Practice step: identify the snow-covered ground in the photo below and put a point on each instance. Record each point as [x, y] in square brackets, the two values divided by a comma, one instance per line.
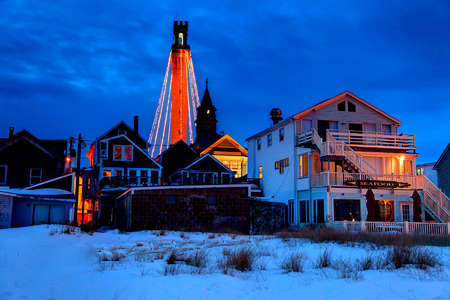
[39, 263]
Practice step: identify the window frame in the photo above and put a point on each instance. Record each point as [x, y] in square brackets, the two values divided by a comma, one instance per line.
[348, 106]
[303, 168]
[269, 140]
[345, 106]
[281, 134]
[33, 176]
[122, 150]
[258, 144]
[5, 174]
[402, 205]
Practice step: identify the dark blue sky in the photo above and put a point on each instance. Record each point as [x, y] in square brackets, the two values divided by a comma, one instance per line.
[82, 66]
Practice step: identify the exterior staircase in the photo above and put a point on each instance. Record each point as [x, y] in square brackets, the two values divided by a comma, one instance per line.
[436, 203]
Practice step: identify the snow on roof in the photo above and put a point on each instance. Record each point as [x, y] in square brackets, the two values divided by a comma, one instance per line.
[38, 192]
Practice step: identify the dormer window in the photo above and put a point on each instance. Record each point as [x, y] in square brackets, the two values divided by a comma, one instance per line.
[123, 153]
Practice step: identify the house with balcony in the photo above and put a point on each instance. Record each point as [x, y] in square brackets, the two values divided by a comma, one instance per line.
[322, 160]
[118, 160]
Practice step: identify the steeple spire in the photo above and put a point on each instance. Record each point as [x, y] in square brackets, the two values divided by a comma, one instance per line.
[206, 123]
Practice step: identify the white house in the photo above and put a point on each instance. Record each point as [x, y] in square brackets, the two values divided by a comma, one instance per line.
[322, 160]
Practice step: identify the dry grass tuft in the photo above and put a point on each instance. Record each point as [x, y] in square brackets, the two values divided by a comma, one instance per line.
[240, 259]
[293, 263]
[324, 260]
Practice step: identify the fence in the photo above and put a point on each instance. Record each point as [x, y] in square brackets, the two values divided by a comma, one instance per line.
[393, 227]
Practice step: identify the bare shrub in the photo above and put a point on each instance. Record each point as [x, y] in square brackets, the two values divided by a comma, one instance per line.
[293, 263]
[172, 258]
[365, 263]
[182, 235]
[143, 256]
[139, 244]
[198, 259]
[399, 256]
[162, 233]
[324, 259]
[67, 229]
[117, 256]
[425, 258]
[211, 236]
[88, 228]
[171, 270]
[347, 270]
[240, 259]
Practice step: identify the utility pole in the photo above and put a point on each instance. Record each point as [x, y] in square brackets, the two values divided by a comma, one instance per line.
[77, 183]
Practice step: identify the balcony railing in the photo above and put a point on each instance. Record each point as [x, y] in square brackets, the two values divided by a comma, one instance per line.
[339, 179]
[127, 181]
[374, 139]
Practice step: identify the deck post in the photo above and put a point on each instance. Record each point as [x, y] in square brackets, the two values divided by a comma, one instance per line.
[448, 228]
[363, 226]
[406, 227]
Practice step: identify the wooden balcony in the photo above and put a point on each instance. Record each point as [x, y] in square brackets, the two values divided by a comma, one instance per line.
[382, 140]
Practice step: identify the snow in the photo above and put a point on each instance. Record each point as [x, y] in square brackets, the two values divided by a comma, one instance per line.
[40, 262]
[37, 192]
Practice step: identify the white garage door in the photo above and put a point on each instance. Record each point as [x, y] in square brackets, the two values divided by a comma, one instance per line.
[57, 214]
[40, 214]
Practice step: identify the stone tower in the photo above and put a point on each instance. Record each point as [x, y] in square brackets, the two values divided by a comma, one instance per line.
[179, 62]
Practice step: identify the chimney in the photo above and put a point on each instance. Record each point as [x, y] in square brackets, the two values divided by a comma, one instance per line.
[11, 132]
[136, 124]
[275, 115]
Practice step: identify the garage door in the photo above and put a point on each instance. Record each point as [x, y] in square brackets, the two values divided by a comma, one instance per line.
[40, 214]
[57, 214]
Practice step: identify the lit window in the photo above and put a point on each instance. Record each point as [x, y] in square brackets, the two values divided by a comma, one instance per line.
[258, 143]
[117, 153]
[303, 165]
[128, 153]
[35, 175]
[341, 106]
[281, 133]
[260, 173]
[3, 174]
[180, 39]
[286, 162]
[351, 107]
[123, 153]
[106, 173]
[269, 140]
[420, 171]
[281, 166]
[277, 165]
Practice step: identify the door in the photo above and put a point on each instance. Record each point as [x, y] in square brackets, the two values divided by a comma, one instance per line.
[319, 213]
[370, 129]
[57, 214]
[322, 127]
[40, 215]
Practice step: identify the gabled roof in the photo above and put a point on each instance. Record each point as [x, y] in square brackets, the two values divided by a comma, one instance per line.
[228, 138]
[122, 123]
[340, 97]
[136, 146]
[442, 157]
[25, 135]
[207, 156]
[322, 104]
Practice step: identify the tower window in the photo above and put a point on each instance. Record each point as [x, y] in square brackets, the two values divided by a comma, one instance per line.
[180, 38]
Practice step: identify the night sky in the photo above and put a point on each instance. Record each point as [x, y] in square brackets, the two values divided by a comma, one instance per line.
[82, 66]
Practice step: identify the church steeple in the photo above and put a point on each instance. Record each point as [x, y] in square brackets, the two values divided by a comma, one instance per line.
[206, 123]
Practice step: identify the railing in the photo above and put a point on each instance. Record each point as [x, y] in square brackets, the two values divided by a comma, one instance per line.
[393, 227]
[310, 136]
[127, 181]
[435, 200]
[339, 179]
[374, 139]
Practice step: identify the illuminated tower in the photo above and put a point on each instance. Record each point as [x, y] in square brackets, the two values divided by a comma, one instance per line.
[179, 61]
[178, 102]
